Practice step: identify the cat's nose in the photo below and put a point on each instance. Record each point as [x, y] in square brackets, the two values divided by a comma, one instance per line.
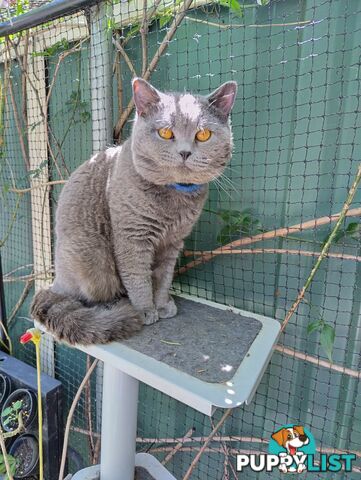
[184, 154]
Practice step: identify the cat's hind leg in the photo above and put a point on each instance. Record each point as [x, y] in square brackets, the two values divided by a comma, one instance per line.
[91, 275]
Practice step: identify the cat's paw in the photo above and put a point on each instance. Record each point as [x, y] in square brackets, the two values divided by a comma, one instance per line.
[169, 310]
[151, 317]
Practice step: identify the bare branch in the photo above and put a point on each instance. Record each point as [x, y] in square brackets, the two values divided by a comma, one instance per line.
[20, 302]
[253, 251]
[206, 443]
[144, 37]
[125, 56]
[316, 361]
[232, 26]
[162, 47]
[179, 445]
[37, 185]
[70, 417]
[279, 232]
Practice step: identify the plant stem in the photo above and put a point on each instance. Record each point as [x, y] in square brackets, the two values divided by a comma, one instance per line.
[18, 430]
[5, 455]
[325, 249]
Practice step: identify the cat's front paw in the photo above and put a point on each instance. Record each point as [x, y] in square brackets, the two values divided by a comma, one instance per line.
[169, 310]
[150, 317]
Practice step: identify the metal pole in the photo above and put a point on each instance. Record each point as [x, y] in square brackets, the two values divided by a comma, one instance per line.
[119, 425]
[45, 13]
[2, 307]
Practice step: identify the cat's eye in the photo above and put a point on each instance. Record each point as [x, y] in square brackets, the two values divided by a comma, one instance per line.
[166, 133]
[203, 135]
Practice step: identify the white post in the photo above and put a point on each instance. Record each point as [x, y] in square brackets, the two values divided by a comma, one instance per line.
[101, 105]
[119, 425]
[101, 76]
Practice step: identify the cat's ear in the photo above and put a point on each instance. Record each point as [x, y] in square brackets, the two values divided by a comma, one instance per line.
[223, 98]
[146, 97]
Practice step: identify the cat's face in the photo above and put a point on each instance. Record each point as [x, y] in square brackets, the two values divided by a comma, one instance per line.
[181, 138]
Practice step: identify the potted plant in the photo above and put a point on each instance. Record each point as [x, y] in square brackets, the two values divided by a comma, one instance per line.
[25, 451]
[5, 388]
[20, 401]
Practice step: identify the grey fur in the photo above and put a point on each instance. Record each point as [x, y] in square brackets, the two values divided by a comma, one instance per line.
[120, 227]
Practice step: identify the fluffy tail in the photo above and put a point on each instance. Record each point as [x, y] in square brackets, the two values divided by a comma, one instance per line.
[69, 320]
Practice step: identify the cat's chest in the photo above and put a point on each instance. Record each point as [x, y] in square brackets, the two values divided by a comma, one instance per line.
[175, 219]
[180, 223]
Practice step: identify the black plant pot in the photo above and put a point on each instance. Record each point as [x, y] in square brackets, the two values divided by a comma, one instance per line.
[5, 388]
[25, 450]
[28, 409]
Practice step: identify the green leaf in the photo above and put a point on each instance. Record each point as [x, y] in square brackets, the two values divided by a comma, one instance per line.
[165, 19]
[354, 230]
[110, 23]
[17, 405]
[327, 340]
[233, 5]
[58, 47]
[7, 412]
[263, 3]
[227, 233]
[315, 326]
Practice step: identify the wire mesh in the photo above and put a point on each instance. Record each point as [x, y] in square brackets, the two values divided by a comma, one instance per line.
[296, 127]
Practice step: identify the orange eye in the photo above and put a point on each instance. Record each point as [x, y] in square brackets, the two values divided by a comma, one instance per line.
[203, 135]
[166, 133]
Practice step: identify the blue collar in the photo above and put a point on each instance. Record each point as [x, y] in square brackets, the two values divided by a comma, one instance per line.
[186, 187]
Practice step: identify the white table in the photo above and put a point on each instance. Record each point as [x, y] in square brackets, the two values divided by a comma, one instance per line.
[233, 347]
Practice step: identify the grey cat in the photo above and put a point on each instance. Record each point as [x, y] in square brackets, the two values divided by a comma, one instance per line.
[123, 215]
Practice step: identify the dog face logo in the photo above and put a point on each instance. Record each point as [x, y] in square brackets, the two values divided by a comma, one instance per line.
[291, 440]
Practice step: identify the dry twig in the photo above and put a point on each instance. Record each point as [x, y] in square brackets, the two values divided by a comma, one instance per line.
[206, 443]
[279, 232]
[21, 300]
[88, 404]
[154, 62]
[144, 37]
[253, 251]
[70, 417]
[177, 447]
[316, 361]
[36, 186]
[124, 54]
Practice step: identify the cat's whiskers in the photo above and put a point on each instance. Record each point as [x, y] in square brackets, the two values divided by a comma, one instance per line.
[217, 182]
[229, 182]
